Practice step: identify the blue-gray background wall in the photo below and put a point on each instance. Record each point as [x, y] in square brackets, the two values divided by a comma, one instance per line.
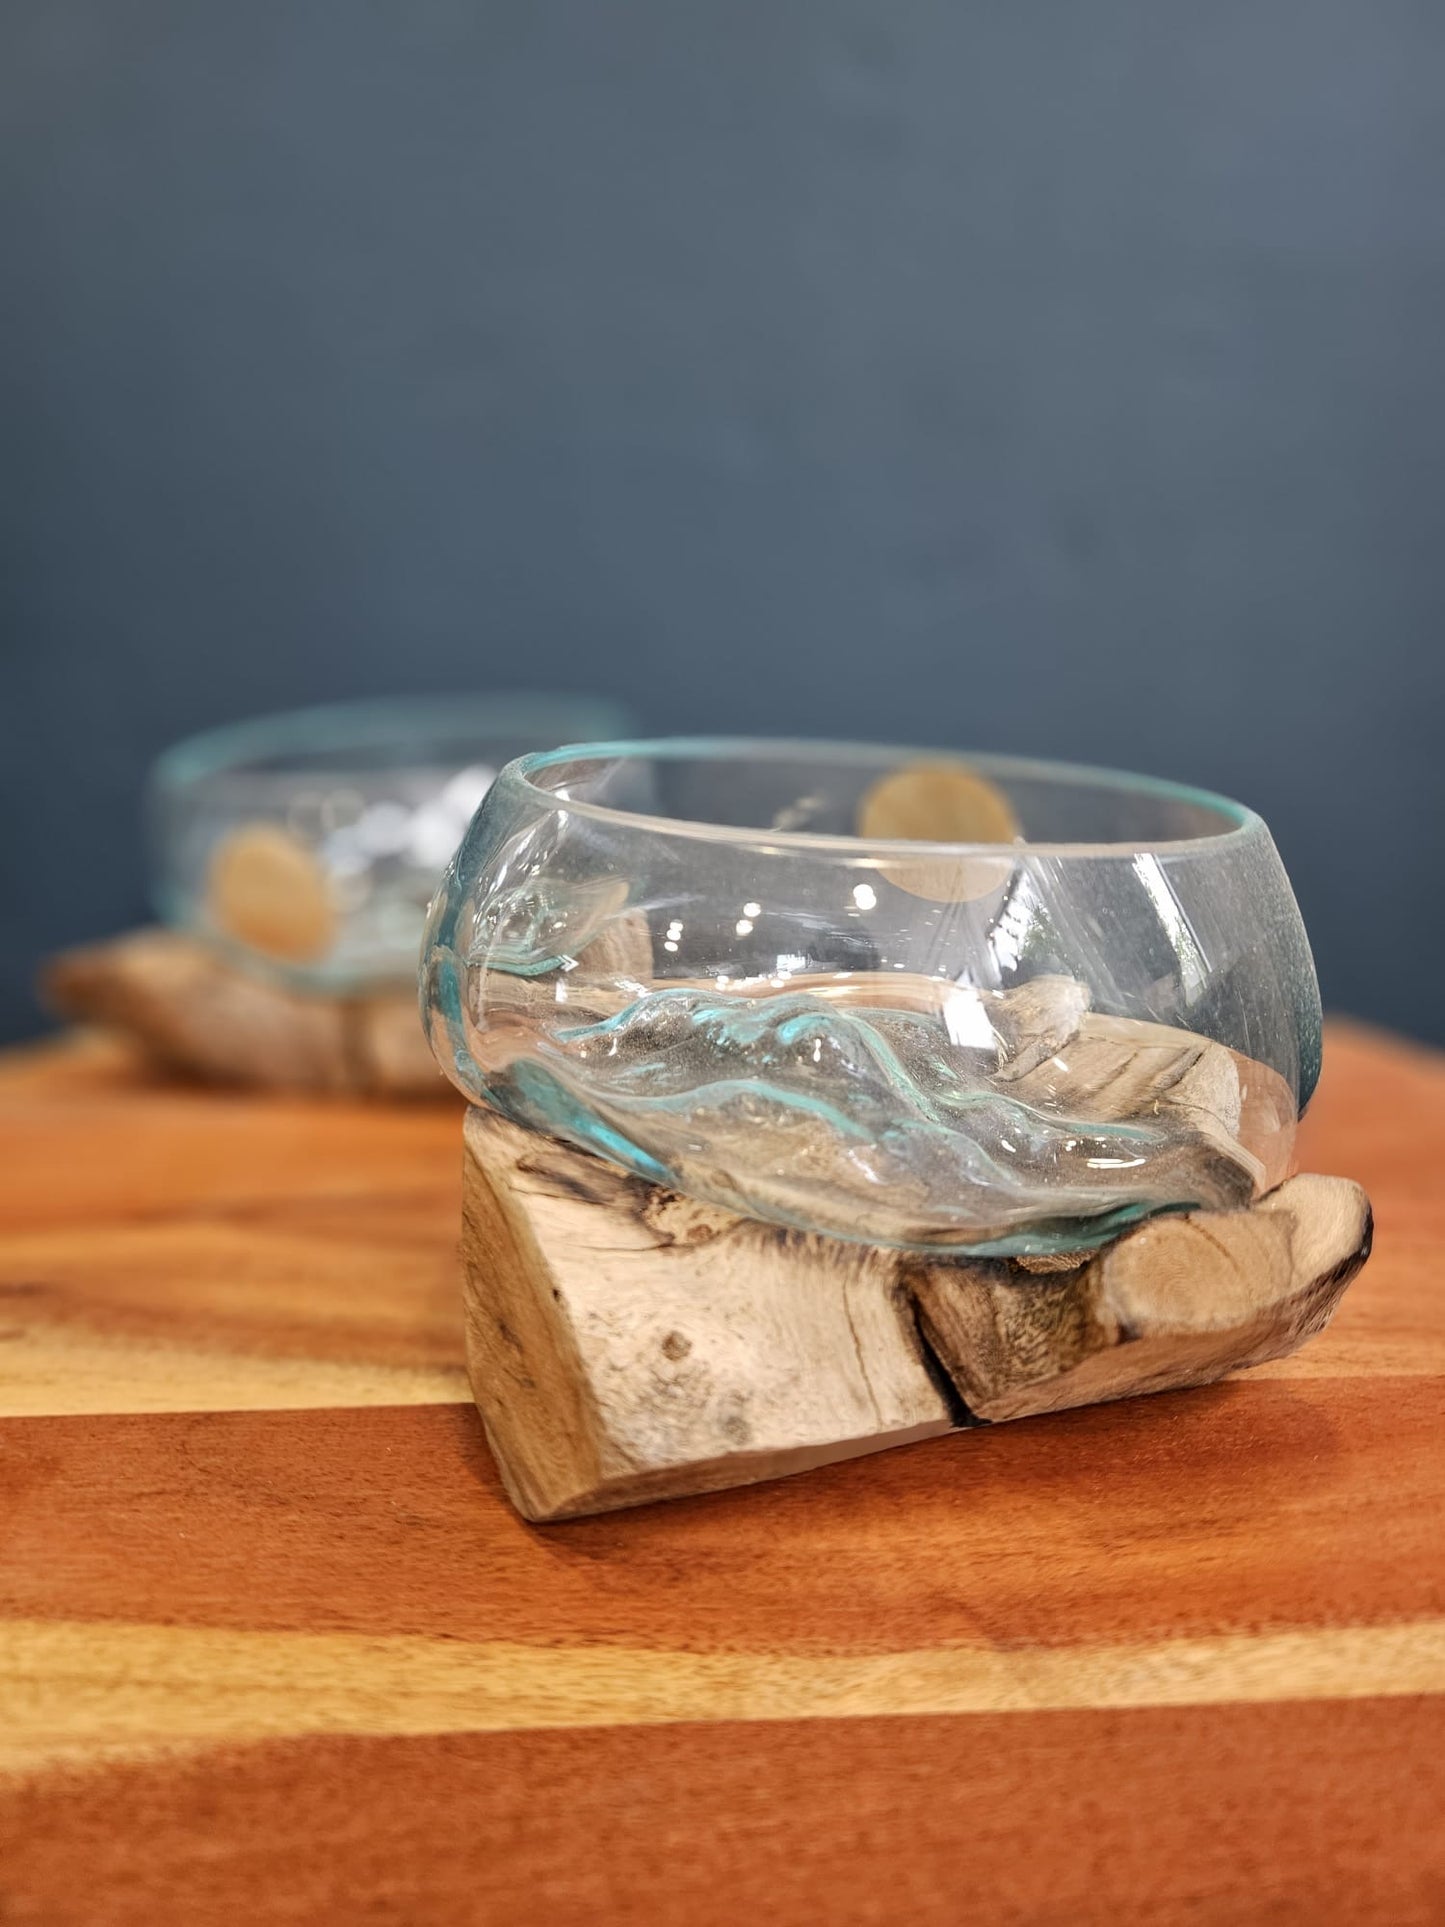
[1016, 374]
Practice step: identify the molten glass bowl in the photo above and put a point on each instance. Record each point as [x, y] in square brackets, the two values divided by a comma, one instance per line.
[742, 970]
[309, 844]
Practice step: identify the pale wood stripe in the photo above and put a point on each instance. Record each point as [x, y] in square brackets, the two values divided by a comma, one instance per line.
[49, 1372]
[46, 1372]
[1370, 1355]
[89, 1691]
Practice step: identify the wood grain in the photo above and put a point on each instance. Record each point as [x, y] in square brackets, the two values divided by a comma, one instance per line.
[1309, 1813]
[1178, 1660]
[1230, 1509]
[173, 1248]
[83, 1692]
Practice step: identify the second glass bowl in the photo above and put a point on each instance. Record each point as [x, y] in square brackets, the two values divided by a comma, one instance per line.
[734, 968]
[309, 844]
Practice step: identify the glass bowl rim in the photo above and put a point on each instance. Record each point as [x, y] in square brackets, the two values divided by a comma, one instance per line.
[368, 722]
[1241, 822]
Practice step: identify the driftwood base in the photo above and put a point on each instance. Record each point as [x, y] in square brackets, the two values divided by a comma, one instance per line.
[627, 1344]
[196, 1013]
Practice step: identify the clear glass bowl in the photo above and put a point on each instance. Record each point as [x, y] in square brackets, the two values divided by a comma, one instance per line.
[682, 956]
[309, 844]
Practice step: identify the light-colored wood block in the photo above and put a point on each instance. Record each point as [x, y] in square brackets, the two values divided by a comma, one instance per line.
[1180, 1301]
[194, 1011]
[626, 1343]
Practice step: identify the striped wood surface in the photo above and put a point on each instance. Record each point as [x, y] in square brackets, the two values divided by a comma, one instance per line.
[272, 1646]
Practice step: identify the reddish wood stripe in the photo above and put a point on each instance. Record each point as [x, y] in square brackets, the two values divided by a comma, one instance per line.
[1264, 1504]
[90, 1138]
[333, 1282]
[1220, 1815]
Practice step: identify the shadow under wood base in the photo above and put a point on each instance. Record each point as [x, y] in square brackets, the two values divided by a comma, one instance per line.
[626, 1343]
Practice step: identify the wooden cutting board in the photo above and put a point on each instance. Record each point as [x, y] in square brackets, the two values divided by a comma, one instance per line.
[273, 1647]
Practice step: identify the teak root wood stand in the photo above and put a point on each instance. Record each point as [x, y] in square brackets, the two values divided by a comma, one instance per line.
[626, 1343]
[194, 1012]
